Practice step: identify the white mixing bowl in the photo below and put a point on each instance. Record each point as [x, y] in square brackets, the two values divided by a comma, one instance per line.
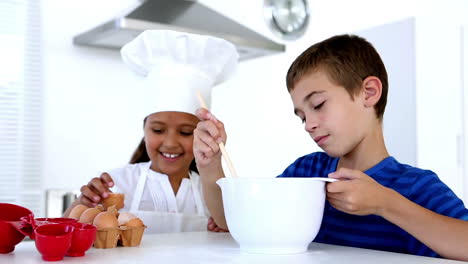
[273, 215]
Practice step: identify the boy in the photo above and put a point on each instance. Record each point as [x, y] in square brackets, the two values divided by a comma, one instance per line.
[339, 91]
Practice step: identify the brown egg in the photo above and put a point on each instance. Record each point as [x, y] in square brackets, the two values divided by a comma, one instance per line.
[135, 222]
[116, 199]
[105, 220]
[87, 217]
[124, 217]
[76, 212]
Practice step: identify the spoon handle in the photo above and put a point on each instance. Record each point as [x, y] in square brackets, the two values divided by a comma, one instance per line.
[221, 144]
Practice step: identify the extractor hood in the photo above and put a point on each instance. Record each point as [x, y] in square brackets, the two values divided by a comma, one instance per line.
[180, 15]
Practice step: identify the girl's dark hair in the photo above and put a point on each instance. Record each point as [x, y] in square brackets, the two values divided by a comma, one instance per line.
[141, 155]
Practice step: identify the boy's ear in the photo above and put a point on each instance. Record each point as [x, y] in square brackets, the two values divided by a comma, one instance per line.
[372, 89]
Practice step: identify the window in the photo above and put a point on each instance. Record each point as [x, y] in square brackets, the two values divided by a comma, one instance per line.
[21, 104]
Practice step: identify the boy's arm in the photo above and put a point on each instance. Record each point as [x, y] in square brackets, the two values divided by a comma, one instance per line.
[207, 135]
[445, 235]
[361, 195]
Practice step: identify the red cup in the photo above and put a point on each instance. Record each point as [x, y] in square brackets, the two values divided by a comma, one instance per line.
[29, 223]
[9, 235]
[64, 220]
[53, 240]
[82, 239]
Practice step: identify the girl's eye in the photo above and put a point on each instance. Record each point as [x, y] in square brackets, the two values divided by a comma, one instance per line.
[185, 133]
[157, 131]
[317, 107]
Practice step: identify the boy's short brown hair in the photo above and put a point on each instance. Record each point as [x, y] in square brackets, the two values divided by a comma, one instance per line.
[347, 60]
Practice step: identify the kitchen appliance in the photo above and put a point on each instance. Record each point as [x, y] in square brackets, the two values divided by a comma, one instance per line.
[58, 200]
[179, 15]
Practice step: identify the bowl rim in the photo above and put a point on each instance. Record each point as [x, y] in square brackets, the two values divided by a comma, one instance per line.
[319, 179]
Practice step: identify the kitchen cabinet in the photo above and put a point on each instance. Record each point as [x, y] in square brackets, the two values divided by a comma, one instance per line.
[424, 119]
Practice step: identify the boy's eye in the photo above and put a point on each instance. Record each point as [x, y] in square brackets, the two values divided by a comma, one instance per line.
[317, 107]
[302, 119]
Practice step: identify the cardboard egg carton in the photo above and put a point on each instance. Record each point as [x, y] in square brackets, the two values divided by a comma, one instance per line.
[125, 236]
[107, 238]
[131, 236]
[111, 237]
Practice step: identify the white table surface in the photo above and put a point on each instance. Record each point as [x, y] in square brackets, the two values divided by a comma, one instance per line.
[209, 247]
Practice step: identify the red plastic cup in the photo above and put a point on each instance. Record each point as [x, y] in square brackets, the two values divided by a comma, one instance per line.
[53, 240]
[29, 223]
[48, 220]
[82, 239]
[9, 235]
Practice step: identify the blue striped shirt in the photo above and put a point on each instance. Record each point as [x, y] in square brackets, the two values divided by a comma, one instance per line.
[371, 231]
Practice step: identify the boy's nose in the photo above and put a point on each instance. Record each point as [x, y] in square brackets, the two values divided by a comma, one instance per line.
[311, 125]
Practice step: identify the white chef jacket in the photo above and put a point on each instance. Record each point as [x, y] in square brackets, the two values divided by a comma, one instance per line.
[157, 194]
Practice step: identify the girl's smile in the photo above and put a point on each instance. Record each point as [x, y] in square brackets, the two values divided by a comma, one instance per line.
[169, 141]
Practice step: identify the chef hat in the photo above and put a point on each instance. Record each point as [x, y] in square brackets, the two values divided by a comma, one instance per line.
[175, 65]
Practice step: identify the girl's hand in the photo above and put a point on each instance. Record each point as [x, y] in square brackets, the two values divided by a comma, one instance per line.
[208, 134]
[213, 227]
[356, 193]
[96, 190]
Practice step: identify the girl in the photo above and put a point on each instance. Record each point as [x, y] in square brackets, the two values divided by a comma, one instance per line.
[161, 184]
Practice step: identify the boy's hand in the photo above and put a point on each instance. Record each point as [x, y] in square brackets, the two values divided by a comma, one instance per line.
[213, 227]
[208, 134]
[356, 193]
[96, 190]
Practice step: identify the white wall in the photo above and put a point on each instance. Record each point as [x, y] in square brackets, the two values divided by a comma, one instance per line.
[89, 123]
[88, 120]
[423, 119]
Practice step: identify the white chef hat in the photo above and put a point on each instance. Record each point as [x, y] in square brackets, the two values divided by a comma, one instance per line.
[175, 65]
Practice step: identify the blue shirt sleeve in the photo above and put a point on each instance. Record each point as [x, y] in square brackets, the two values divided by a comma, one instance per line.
[430, 192]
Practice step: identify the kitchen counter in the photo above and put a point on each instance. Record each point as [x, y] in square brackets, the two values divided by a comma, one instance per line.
[209, 247]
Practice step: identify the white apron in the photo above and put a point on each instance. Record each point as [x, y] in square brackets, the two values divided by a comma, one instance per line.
[169, 222]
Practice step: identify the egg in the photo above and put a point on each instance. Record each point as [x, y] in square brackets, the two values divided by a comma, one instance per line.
[105, 220]
[135, 222]
[124, 217]
[87, 217]
[116, 199]
[76, 212]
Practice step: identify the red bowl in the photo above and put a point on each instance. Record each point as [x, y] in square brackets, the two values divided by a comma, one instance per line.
[9, 235]
[82, 239]
[53, 240]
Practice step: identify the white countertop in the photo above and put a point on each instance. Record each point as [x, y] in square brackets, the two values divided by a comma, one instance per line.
[209, 247]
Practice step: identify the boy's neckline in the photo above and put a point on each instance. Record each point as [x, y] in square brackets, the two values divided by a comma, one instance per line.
[377, 167]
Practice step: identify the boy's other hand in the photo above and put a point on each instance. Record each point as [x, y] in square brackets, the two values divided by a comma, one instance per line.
[96, 190]
[208, 134]
[356, 193]
[213, 227]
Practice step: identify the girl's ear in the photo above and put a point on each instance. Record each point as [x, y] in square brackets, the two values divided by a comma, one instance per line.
[372, 89]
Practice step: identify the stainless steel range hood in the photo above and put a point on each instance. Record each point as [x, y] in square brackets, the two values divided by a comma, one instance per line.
[180, 15]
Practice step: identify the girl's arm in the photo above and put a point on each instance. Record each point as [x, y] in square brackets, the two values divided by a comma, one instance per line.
[208, 133]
